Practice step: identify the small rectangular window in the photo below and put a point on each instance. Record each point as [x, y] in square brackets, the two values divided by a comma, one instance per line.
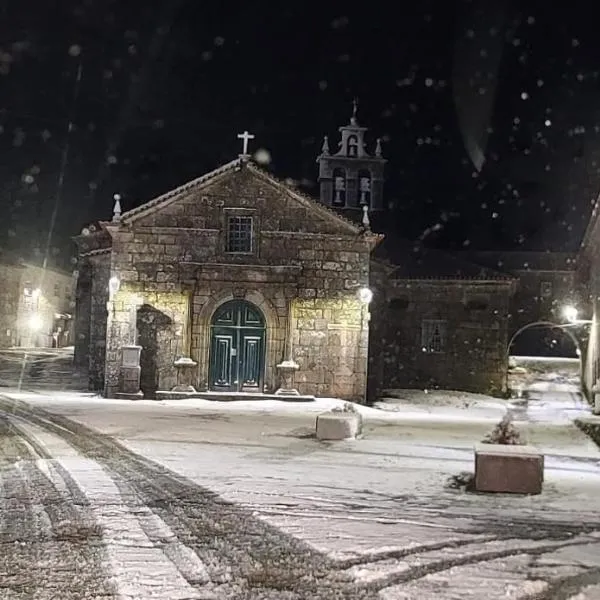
[239, 234]
[546, 289]
[433, 336]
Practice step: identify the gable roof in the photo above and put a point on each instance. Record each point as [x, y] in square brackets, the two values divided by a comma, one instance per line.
[163, 200]
[416, 262]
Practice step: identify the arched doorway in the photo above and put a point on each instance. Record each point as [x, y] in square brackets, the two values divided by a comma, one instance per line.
[237, 348]
[544, 357]
[544, 339]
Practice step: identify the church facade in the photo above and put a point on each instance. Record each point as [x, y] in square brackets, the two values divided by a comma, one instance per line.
[236, 275]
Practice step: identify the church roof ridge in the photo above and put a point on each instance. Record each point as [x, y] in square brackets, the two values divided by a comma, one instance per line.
[225, 168]
[190, 185]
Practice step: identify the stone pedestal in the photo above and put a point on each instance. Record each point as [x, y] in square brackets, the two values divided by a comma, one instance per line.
[508, 469]
[185, 375]
[286, 370]
[338, 425]
[129, 375]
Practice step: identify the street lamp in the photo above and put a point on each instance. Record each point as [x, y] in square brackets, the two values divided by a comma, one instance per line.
[570, 313]
[35, 322]
[365, 295]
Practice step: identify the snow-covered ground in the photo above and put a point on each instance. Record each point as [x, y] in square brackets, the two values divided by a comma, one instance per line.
[379, 504]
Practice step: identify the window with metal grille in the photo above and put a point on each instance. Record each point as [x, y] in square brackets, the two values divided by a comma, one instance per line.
[239, 234]
[433, 336]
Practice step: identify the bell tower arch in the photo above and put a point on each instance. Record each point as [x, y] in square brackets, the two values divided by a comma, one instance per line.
[352, 177]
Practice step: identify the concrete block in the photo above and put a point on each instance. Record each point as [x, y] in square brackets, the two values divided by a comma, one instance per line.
[508, 469]
[338, 425]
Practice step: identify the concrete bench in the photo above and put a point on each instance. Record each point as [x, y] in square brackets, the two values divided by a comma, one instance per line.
[508, 469]
[338, 425]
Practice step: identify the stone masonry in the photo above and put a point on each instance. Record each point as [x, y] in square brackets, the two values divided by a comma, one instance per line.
[475, 315]
[305, 269]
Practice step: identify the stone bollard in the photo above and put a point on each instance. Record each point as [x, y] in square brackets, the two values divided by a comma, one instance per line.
[338, 425]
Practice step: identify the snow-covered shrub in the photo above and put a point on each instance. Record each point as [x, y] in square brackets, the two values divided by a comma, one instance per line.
[504, 433]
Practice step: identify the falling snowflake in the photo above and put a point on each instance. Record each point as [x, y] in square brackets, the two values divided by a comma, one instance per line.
[262, 156]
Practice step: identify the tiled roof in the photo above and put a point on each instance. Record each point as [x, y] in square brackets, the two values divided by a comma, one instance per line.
[416, 262]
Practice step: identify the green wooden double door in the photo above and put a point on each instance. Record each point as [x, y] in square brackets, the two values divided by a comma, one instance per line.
[237, 348]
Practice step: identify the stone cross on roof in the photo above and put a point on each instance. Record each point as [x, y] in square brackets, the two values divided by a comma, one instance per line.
[246, 137]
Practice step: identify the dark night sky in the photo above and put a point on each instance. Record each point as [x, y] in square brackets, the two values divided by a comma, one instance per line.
[166, 87]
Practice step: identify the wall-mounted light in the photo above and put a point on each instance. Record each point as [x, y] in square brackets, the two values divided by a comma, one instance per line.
[365, 295]
[35, 322]
[114, 283]
[570, 313]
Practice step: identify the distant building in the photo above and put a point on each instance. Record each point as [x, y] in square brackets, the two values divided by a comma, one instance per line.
[36, 305]
[46, 306]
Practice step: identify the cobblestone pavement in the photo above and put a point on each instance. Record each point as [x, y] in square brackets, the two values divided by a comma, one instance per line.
[103, 522]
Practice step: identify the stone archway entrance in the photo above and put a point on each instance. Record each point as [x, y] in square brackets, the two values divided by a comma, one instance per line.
[237, 348]
[544, 357]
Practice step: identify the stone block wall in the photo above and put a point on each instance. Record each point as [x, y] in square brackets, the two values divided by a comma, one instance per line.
[300, 256]
[83, 313]
[98, 320]
[476, 335]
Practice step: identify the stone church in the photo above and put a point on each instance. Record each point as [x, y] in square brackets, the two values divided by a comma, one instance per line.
[238, 283]
[233, 282]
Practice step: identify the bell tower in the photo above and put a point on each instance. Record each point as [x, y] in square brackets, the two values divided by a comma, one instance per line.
[351, 178]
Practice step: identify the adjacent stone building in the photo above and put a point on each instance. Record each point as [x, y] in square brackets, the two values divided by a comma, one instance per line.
[438, 322]
[237, 272]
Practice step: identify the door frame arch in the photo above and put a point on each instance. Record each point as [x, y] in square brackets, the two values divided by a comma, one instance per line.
[551, 325]
[202, 315]
[238, 340]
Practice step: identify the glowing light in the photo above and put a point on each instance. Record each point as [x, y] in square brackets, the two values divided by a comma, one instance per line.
[570, 313]
[547, 122]
[365, 295]
[114, 283]
[36, 293]
[35, 322]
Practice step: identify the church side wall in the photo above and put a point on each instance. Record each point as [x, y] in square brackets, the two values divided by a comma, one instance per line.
[83, 313]
[98, 320]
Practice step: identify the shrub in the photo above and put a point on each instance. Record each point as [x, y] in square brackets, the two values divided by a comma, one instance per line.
[504, 433]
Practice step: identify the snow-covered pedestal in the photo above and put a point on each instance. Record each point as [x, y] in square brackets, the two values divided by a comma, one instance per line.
[286, 370]
[509, 469]
[185, 375]
[338, 425]
[129, 375]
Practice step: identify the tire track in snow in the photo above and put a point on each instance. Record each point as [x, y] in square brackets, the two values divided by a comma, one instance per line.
[137, 567]
[260, 560]
[57, 539]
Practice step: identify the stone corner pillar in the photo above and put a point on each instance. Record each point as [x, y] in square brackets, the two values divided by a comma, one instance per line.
[286, 370]
[130, 373]
[186, 368]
